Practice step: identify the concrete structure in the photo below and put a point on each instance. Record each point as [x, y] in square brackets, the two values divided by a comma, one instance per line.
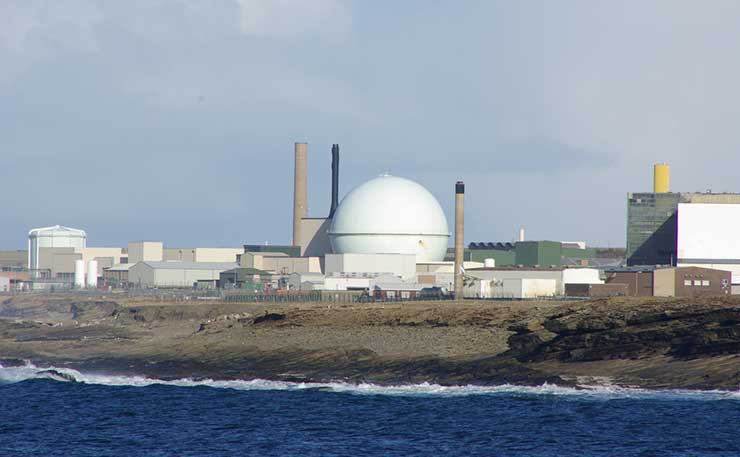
[314, 236]
[175, 274]
[459, 237]
[691, 282]
[300, 189]
[55, 236]
[145, 251]
[390, 215]
[403, 265]
[661, 178]
[708, 236]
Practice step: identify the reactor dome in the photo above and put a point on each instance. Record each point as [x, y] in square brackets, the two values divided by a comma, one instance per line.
[390, 215]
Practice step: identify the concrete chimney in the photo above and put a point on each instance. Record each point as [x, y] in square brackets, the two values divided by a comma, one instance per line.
[334, 179]
[459, 238]
[300, 190]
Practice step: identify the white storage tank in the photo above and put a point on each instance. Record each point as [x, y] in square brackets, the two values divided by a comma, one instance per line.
[92, 274]
[390, 215]
[79, 274]
[56, 236]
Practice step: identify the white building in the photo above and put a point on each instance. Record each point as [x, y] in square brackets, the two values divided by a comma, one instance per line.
[175, 274]
[403, 265]
[709, 237]
[561, 276]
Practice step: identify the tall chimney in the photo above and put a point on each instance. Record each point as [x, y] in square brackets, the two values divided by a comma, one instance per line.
[459, 237]
[300, 190]
[521, 234]
[661, 178]
[334, 179]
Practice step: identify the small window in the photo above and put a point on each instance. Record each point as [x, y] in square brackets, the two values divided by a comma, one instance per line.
[687, 282]
[705, 283]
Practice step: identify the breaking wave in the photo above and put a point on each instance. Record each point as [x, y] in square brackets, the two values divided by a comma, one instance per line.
[604, 390]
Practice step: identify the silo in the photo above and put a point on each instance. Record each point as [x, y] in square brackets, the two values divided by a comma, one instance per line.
[55, 236]
[92, 274]
[79, 274]
[661, 178]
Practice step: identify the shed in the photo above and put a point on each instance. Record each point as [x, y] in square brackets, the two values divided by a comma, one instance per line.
[175, 274]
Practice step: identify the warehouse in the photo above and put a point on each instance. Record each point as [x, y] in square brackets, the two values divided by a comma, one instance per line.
[176, 274]
[561, 276]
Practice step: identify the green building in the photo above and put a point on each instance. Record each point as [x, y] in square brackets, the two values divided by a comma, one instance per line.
[651, 228]
[543, 253]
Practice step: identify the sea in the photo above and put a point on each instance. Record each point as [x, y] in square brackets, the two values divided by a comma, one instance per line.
[72, 414]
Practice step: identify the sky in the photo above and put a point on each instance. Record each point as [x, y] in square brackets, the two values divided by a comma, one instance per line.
[175, 120]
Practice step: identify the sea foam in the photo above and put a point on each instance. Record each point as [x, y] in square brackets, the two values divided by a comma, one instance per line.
[604, 390]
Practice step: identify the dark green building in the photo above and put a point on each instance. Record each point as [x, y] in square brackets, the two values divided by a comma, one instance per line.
[652, 228]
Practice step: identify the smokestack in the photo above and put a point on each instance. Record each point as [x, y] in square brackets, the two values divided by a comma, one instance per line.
[334, 179]
[661, 178]
[459, 237]
[521, 234]
[300, 191]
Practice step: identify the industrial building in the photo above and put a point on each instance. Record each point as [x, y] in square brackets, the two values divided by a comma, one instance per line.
[655, 281]
[526, 282]
[653, 228]
[177, 274]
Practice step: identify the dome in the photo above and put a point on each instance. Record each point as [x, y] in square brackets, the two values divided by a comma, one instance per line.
[390, 215]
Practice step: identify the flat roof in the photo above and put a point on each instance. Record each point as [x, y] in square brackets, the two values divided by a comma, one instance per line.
[177, 265]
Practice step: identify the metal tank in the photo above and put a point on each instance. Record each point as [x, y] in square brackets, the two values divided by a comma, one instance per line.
[56, 236]
[390, 215]
[79, 274]
[92, 274]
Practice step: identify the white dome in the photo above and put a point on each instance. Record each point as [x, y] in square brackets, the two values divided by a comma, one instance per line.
[390, 215]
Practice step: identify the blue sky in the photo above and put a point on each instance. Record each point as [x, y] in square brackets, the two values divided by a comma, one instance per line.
[174, 120]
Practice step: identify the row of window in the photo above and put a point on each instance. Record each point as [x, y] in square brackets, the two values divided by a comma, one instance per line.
[696, 282]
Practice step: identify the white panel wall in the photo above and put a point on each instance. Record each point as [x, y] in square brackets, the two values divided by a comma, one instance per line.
[398, 264]
[708, 231]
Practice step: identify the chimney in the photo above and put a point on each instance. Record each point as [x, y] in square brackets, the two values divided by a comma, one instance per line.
[661, 178]
[521, 234]
[300, 191]
[459, 237]
[334, 179]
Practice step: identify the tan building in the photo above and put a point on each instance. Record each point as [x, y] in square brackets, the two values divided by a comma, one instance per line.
[691, 282]
[145, 251]
[279, 263]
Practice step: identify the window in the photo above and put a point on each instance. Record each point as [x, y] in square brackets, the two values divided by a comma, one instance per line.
[705, 283]
[687, 282]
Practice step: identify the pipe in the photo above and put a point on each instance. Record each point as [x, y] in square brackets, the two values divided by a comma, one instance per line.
[300, 190]
[459, 237]
[334, 179]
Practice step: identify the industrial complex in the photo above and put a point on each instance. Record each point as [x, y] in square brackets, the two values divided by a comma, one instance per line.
[677, 244]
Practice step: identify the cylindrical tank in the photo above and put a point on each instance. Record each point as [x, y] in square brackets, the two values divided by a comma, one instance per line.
[79, 274]
[92, 274]
[661, 178]
[489, 263]
[56, 236]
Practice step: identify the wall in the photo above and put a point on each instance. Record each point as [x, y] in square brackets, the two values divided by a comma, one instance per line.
[651, 228]
[217, 254]
[708, 236]
[145, 251]
[314, 239]
[696, 282]
[490, 274]
[397, 264]
[179, 254]
[581, 276]
[543, 253]
[664, 282]
[14, 258]
[528, 288]
[639, 283]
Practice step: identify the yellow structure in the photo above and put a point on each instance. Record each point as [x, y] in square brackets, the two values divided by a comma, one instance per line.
[661, 178]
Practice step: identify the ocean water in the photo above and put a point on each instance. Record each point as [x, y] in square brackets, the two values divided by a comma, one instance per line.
[42, 415]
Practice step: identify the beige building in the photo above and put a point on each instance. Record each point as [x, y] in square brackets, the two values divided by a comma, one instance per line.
[279, 263]
[145, 251]
[176, 274]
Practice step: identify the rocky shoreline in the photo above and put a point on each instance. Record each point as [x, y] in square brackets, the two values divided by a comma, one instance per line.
[652, 343]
